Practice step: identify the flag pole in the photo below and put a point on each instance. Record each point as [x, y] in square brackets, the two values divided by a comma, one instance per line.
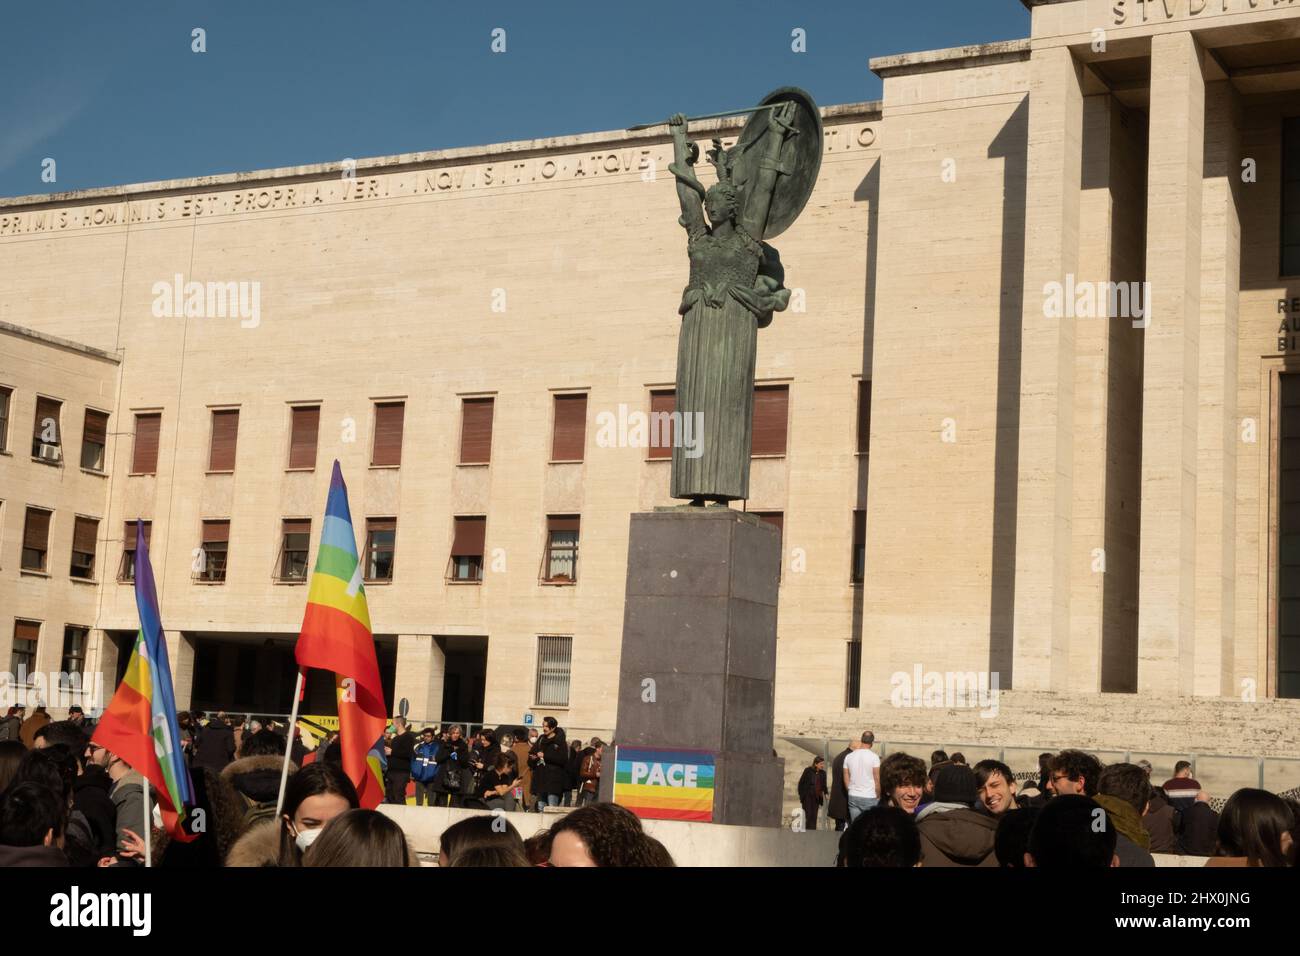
[148, 823]
[288, 747]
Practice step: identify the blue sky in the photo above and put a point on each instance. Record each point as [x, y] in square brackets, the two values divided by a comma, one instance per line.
[111, 90]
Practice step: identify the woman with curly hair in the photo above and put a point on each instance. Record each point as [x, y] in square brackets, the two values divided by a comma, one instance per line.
[604, 834]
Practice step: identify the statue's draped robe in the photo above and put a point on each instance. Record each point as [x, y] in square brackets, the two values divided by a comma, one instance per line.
[721, 310]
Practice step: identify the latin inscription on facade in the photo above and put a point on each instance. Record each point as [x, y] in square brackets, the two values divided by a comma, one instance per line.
[628, 163]
[1126, 12]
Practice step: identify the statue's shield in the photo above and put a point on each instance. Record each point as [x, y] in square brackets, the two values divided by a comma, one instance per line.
[801, 157]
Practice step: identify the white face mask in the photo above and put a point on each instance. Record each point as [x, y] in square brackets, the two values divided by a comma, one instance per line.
[306, 838]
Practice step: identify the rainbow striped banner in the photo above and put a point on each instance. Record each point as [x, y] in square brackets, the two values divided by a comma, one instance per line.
[664, 784]
[139, 724]
[336, 637]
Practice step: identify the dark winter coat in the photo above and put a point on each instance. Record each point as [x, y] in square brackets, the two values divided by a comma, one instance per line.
[90, 795]
[812, 787]
[1159, 824]
[549, 758]
[214, 746]
[1200, 830]
[403, 748]
[453, 755]
[838, 806]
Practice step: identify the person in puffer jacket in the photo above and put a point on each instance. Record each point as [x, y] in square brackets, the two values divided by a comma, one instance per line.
[255, 775]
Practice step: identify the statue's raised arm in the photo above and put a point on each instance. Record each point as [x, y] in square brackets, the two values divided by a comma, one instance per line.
[690, 192]
[758, 197]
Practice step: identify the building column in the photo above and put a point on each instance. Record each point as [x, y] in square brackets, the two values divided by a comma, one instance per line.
[180, 656]
[1091, 394]
[421, 668]
[101, 670]
[1216, 477]
[1043, 497]
[1175, 166]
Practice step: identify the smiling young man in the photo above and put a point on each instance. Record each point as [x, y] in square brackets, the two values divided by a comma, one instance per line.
[996, 786]
[902, 780]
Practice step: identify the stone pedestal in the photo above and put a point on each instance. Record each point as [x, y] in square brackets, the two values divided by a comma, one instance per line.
[700, 623]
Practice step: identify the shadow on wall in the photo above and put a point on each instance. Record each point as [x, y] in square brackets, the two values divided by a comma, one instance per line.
[868, 191]
[1011, 145]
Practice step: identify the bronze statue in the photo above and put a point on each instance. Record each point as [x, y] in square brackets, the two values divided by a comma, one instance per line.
[736, 283]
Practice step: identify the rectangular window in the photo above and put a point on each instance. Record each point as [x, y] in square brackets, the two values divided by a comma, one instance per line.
[777, 520]
[771, 409]
[560, 563]
[126, 573]
[84, 533]
[6, 400]
[381, 545]
[94, 436]
[36, 539]
[144, 456]
[389, 420]
[466, 562]
[225, 435]
[74, 649]
[22, 662]
[569, 435]
[853, 676]
[663, 403]
[859, 546]
[305, 428]
[47, 435]
[1290, 240]
[864, 417]
[476, 431]
[295, 544]
[554, 666]
[213, 553]
[1288, 555]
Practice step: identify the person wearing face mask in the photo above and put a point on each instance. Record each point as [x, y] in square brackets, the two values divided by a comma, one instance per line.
[313, 796]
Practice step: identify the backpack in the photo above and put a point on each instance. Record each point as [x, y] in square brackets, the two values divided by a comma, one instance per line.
[590, 773]
[424, 769]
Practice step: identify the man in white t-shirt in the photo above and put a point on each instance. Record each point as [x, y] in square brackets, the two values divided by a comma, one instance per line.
[862, 777]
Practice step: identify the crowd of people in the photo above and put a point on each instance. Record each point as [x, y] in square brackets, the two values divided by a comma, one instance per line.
[897, 811]
[65, 801]
[510, 768]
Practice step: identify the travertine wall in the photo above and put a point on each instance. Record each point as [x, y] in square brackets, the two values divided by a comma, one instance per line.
[383, 286]
[80, 378]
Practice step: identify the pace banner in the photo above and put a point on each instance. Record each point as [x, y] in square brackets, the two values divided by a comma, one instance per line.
[664, 784]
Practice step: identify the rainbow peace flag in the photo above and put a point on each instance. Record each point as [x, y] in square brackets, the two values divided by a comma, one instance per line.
[336, 637]
[664, 784]
[140, 725]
